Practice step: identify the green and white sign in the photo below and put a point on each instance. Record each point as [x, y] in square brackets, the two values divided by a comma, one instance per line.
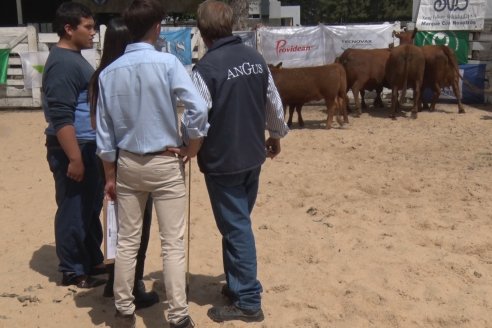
[455, 40]
[4, 65]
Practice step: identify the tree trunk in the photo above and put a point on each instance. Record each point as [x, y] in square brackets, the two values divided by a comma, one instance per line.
[241, 12]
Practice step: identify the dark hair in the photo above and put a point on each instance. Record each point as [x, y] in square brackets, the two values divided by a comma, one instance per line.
[70, 13]
[116, 38]
[141, 16]
[214, 19]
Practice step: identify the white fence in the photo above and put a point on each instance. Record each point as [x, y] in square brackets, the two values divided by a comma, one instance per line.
[25, 39]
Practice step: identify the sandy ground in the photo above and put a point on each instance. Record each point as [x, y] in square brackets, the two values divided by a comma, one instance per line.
[380, 224]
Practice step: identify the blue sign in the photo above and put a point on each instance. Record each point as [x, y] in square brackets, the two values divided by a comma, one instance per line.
[176, 42]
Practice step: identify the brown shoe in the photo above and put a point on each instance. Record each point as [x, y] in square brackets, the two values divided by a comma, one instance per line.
[124, 320]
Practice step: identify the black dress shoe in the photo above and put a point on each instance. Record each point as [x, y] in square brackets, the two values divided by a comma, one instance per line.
[186, 322]
[108, 288]
[82, 281]
[232, 312]
[142, 298]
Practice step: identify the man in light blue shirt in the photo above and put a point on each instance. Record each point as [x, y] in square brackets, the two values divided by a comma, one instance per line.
[137, 118]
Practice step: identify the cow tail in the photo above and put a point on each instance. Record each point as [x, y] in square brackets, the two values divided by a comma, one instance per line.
[405, 76]
[339, 98]
[452, 59]
[454, 62]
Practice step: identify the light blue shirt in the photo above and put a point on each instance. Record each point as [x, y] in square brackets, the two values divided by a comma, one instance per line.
[136, 108]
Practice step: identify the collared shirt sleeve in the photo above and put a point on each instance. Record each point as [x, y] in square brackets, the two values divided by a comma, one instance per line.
[194, 122]
[105, 138]
[275, 123]
[205, 95]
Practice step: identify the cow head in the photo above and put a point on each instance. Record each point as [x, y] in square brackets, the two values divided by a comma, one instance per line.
[271, 66]
[406, 37]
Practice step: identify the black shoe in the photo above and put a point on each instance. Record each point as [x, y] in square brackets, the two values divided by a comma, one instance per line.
[227, 293]
[232, 312]
[142, 298]
[96, 271]
[124, 320]
[108, 288]
[186, 322]
[82, 281]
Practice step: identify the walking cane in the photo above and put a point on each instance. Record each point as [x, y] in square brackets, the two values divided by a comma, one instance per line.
[189, 228]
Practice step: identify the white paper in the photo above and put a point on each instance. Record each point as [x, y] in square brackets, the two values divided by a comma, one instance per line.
[111, 229]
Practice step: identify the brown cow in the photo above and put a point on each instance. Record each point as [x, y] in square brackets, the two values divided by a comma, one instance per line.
[441, 70]
[365, 70]
[405, 69]
[298, 86]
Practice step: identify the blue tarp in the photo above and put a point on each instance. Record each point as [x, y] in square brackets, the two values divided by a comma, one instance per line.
[472, 88]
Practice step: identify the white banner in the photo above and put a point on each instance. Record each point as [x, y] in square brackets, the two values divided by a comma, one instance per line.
[340, 38]
[458, 15]
[33, 68]
[293, 46]
[319, 45]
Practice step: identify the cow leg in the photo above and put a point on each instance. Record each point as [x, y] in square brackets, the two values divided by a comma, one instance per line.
[403, 97]
[394, 102]
[378, 102]
[363, 99]
[425, 105]
[299, 115]
[457, 93]
[291, 113]
[330, 108]
[338, 103]
[435, 95]
[355, 91]
[343, 107]
[416, 99]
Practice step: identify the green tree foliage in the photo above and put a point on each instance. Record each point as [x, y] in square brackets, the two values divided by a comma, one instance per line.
[351, 11]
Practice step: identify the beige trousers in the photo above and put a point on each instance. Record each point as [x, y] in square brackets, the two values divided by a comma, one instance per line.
[163, 177]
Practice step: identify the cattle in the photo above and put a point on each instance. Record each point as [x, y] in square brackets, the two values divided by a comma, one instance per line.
[298, 86]
[365, 70]
[405, 69]
[441, 70]
[406, 37]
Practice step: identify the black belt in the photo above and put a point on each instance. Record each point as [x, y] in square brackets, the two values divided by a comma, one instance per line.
[161, 153]
[155, 153]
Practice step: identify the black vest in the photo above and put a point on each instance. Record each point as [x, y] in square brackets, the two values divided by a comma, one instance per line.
[237, 79]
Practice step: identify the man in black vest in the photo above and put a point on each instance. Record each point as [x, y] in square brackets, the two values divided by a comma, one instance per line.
[239, 90]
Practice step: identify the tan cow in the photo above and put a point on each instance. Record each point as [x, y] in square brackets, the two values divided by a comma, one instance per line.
[298, 86]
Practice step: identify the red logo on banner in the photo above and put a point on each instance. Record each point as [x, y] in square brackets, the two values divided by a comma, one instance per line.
[282, 47]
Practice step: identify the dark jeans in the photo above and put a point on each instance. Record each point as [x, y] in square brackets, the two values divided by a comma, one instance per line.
[144, 243]
[78, 230]
[233, 197]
